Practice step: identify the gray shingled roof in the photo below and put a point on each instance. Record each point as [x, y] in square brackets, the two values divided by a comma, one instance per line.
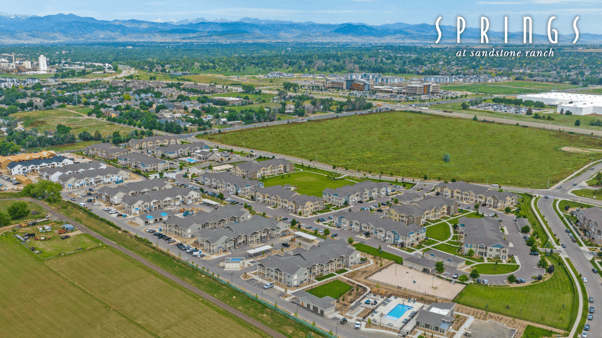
[401, 228]
[482, 231]
[322, 303]
[256, 166]
[358, 187]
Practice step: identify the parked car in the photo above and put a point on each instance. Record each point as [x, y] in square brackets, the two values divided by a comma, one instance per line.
[455, 276]
[343, 321]
[286, 245]
[590, 317]
[591, 309]
[594, 270]
[591, 299]
[534, 253]
[586, 327]
[584, 334]
[563, 245]
[358, 325]
[65, 237]
[268, 286]
[334, 235]
[584, 279]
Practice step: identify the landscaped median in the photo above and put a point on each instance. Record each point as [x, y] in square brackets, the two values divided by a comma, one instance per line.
[564, 221]
[552, 302]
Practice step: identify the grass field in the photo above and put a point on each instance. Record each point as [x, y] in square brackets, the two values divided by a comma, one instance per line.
[439, 231]
[513, 87]
[41, 213]
[48, 120]
[308, 183]
[334, 289]
[551, 303]
[492, 269]
[410, 144]
[54, 307]
[375, 252]
[159, 306]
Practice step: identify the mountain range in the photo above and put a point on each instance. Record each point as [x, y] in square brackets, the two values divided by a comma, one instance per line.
[70, 28]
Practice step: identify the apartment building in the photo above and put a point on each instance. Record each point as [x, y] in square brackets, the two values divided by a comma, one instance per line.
[351, 194]
[52, 174]
[143, 162]
[255, 170]
[191, 226]
[483, 236]
[153, 142]
[279, 197]
[590, 221]
[106, 151]
[472, 193]
[159, 199]
[114, 195]
[180, 150]
[29, 166]
[234, 185]
[429, 208]
[302, 266]
[382, 228]
[93, 178]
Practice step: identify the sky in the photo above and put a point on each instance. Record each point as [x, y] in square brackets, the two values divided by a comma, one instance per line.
[373, 12]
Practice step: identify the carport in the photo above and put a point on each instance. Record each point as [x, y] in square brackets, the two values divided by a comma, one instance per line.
[305, 236]
[258, 251]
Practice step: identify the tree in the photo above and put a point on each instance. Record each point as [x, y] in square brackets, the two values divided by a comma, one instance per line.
[529, 111]
[396, 201]
[18, 210]
[465, 105]
[542, 263]
[531, 242]
[507, 210]
[440, 267]
[474, 274]
[551, 269]
[568, 112]
[470, 252]
[220, 196]
[446, 158]
[43, 189]
[326, 232]
[62, 129]
[463, 278]
[511, 279]
[525, 229]
[293, 222]
[350, 240]
[4, 219]
[577, 123]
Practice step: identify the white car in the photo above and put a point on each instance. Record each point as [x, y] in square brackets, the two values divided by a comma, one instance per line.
[358, 325]
[584, 280]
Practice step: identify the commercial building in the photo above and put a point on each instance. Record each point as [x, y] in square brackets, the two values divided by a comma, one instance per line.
[577, 104]
[421, 89]
[42, 63]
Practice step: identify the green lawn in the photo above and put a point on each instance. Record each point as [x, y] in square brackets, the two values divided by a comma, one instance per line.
[55, 245]
[325, 277]
[307, 183]
[471, 215]
[136, 292]
[479, 151]
[439, 231]
[588, 193]
[524, 210]
[33, 293]
[375, 252]
[551, 303]
[41, 213]
[334, 289]
[537, 332]
[500, 269]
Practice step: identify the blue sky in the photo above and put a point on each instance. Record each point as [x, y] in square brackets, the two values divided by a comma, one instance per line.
[331, 11]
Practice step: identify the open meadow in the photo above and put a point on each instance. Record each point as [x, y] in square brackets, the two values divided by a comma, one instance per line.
[307, 182]
[413, 145]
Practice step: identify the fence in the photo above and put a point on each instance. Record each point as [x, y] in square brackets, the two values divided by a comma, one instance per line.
[269, 305]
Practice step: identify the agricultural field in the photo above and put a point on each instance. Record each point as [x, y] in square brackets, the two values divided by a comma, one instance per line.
[556, 119]
[334, 289]
[552, 302]
[48, 120]
[413, 145]
[307, 182]
[32, 292]
[138, 294]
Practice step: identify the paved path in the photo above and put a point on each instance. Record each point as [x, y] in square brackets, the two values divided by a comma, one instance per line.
[157, 269]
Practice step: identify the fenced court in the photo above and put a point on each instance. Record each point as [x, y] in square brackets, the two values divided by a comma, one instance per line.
[416, 281]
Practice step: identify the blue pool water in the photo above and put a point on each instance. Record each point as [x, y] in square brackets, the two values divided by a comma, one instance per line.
[235, 259]
[191, 160]
[398, 311]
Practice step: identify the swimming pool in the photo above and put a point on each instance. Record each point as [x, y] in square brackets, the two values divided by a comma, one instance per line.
[398, 311]
[191, 160]
[235, 259]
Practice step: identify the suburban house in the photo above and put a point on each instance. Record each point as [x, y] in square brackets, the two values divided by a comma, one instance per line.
[153, 142]
[302, 266]
[483, 236]
[590, 221]
[254, 231]
[106, 151]
[438, 317]
[93, 178]
[29, 166]
[472, 193]
[429, 208]
[190, 226]
[143, 162]
[114, 195]
[323, 306]
[234, 185]
[384, 229]
[255, 170]
[279, 197]
[159, 199]
[351, 194]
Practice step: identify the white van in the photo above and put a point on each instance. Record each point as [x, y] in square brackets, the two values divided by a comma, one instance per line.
[83, 204]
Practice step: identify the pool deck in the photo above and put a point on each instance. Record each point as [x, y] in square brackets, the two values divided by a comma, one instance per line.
[380, 315]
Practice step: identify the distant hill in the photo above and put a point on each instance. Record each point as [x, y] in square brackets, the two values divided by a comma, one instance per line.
[69, 28]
